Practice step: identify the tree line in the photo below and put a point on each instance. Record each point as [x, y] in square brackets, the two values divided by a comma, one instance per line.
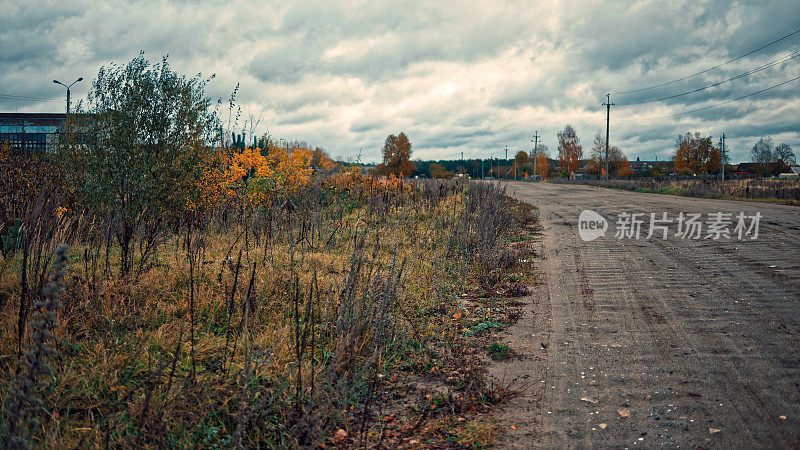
[694, 154]
[522, 164]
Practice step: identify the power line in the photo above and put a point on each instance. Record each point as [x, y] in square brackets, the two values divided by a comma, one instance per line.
[713, 106]
[590, 118]
[28, 98]
[785, 58]
[589, 123]
[711, 68]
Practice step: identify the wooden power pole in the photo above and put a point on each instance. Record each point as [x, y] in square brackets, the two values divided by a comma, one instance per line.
[608, 105]
[722, 155]
[509, 170]
[534, 155]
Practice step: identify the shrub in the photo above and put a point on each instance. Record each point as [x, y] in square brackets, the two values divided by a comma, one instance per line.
[499, 351]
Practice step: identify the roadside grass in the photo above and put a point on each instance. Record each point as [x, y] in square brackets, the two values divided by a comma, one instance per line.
[284, 330]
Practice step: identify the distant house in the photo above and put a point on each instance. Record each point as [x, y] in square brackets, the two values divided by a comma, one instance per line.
[793, 174]
[640, 166]
[650, 168]
[31, 131]
[746, 170]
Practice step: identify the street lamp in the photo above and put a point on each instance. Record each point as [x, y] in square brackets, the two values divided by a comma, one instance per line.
[58, 82]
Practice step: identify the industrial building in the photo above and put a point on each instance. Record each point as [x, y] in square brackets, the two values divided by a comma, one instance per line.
[31, 131]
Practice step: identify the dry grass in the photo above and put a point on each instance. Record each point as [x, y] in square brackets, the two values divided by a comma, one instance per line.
[778, 191]
[273, 328]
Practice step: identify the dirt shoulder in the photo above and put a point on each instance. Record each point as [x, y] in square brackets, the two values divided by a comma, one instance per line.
[520, 419]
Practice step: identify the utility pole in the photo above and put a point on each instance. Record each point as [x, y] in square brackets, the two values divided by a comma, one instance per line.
[722, 155]
[514, 163]
[534, 155]
[462, 163]
[509, 170]
[608, 105]
[68, 87]
[482, 177]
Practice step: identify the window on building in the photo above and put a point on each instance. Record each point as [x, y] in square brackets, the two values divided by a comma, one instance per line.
[26, 141]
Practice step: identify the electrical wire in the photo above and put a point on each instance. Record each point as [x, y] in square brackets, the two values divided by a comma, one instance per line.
[712, 106]
[782, 59]
[28, 98]
[589, 122]
[711, 68]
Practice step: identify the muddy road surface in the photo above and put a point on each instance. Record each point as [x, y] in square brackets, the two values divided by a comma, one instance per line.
[657, 342]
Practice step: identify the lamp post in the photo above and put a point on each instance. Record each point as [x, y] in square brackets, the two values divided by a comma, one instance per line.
[58, 82]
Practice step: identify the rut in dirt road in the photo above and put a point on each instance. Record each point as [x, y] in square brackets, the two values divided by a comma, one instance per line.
[698, 340]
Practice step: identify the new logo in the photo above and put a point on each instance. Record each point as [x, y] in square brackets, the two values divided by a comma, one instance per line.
[591, 225]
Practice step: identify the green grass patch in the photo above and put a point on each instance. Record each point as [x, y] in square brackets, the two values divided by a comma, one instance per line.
[483, 327]
[499, 351]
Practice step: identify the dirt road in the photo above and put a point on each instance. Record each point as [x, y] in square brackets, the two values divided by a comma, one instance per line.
[699, 340]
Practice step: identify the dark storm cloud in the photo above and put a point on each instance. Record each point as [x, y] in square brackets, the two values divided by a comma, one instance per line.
[455, 76]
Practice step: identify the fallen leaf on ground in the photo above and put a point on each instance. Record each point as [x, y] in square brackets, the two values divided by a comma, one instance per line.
[624, 413]
[513, 427]
[602, 426]
[588, 400]
[783, 417]
[714, 430]
[340, 435]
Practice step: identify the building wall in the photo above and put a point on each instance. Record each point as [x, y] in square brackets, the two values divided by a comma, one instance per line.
[31, 131]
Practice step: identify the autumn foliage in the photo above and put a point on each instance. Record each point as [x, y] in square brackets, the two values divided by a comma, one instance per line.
[695, 155]
[396, 156]
[438, 171]
[542, 169]
[570, 151]
[252, 176]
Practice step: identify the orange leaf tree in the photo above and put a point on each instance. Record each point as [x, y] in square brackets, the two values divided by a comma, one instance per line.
[570, 151]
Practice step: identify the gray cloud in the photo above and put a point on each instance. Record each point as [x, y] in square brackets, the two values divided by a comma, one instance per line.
[454, 76]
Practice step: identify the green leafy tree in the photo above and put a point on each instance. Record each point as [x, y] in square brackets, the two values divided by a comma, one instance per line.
[143, 132]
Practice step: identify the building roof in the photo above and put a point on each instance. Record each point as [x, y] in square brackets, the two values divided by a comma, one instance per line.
[4, 117]
[31, 122]
[644, 165]
[749, 167]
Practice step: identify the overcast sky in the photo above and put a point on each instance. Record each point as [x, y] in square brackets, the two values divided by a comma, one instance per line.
[455, 76]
